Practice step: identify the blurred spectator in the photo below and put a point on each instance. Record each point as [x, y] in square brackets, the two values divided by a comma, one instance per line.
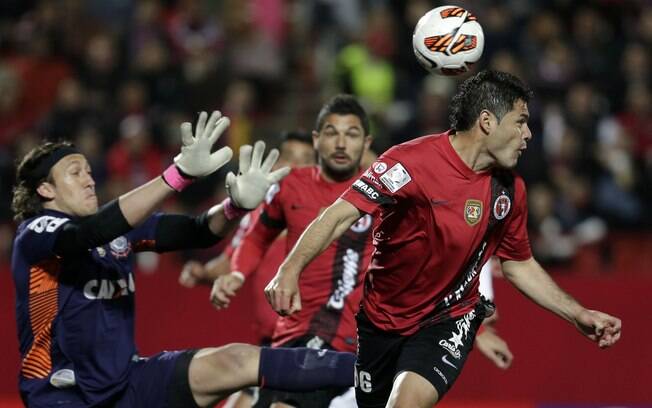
[133, 160]
[118, 78]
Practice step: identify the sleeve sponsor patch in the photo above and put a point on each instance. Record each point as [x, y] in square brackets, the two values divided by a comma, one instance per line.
[371, 192]
[395, 178]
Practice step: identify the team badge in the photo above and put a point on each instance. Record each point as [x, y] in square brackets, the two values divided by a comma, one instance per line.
[120, 247]
[380, 167]
[101, 252]
[472, 211]
[502, 205]
[395, 178]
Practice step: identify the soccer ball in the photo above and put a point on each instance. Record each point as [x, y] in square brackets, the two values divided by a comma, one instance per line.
[448, 40]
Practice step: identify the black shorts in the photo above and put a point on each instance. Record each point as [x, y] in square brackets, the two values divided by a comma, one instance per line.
[436, 352]
[313, 399]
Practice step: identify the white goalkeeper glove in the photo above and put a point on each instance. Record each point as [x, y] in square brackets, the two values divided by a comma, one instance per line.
[196, 159]
[249, 187]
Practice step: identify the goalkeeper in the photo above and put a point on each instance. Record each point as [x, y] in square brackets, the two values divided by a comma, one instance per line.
[72, 271]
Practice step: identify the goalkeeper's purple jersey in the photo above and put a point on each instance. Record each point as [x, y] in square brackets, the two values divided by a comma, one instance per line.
[75, 314]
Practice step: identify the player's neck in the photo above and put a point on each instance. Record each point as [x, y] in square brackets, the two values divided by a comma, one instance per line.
[336, 178]
[470, 149]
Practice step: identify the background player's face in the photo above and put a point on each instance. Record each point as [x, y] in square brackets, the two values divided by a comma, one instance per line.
[295, 154]
[510, 136]
[73, 188]
[340, 144]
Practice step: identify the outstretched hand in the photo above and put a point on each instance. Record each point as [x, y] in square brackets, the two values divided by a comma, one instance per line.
[249, 187]
[196, 159]
[599, 327]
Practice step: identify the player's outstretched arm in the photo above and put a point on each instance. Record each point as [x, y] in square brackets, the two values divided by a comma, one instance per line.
[282, 292]
[196, 273]
[530, 278]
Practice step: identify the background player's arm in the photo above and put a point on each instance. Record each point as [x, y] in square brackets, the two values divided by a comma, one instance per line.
[531, 279]
[282, 292]
[246, 258]
[196, 273]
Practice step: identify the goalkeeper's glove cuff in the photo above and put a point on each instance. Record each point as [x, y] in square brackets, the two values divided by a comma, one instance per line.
[177, 179]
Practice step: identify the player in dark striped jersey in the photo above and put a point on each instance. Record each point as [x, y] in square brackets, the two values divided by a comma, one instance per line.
[444, 204]
[75, 286]
[332, 285]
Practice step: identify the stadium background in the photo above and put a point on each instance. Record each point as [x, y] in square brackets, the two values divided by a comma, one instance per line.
[118, 76]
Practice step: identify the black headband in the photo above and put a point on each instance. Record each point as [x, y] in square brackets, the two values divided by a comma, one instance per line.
[43, 169]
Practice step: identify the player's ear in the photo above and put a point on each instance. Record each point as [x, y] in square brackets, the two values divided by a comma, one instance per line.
[486, 121]
[315, 138]
[46, 190]
[367, 141]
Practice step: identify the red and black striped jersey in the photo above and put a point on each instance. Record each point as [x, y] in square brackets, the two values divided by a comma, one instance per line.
[432, 232]
[331, 285]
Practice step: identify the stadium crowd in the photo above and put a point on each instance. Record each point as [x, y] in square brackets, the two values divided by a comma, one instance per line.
[117, 78]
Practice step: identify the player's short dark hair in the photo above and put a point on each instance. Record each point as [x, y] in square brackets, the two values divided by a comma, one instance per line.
[26, 202]
[492, 90]
[297, 135]
[343, 104]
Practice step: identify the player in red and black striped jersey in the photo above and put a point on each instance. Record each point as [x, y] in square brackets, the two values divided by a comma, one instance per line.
[444, 204]
[332, 285]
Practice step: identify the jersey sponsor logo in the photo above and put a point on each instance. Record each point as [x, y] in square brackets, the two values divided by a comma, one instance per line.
[443, 377]
[362, 225]
[463, 326]
[120, 247]
[366, 189]
[46, 223]
[97, 289]
[346, 283]
[396, 178]
[444, 358]
[472, 211]
[502, 205]
[470, 276]
[379, 167]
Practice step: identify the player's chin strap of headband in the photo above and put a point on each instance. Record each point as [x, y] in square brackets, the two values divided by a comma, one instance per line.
[43, 169]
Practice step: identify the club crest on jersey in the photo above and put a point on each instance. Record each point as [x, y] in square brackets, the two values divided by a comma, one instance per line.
[380, 167]
[120, 247]
[502, 205]
[472, 211]
[395, 178]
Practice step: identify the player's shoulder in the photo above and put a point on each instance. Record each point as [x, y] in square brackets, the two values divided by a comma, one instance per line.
[42, 223]
[300, 175]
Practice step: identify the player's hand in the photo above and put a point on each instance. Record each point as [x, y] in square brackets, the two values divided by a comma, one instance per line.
[249, 187]
[282, 293]
[225, 288]
[599, 327]
[492, 346]
[192, 274]
[196, 159]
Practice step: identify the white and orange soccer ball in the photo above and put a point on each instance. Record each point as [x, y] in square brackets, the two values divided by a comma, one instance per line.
[448, 40]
